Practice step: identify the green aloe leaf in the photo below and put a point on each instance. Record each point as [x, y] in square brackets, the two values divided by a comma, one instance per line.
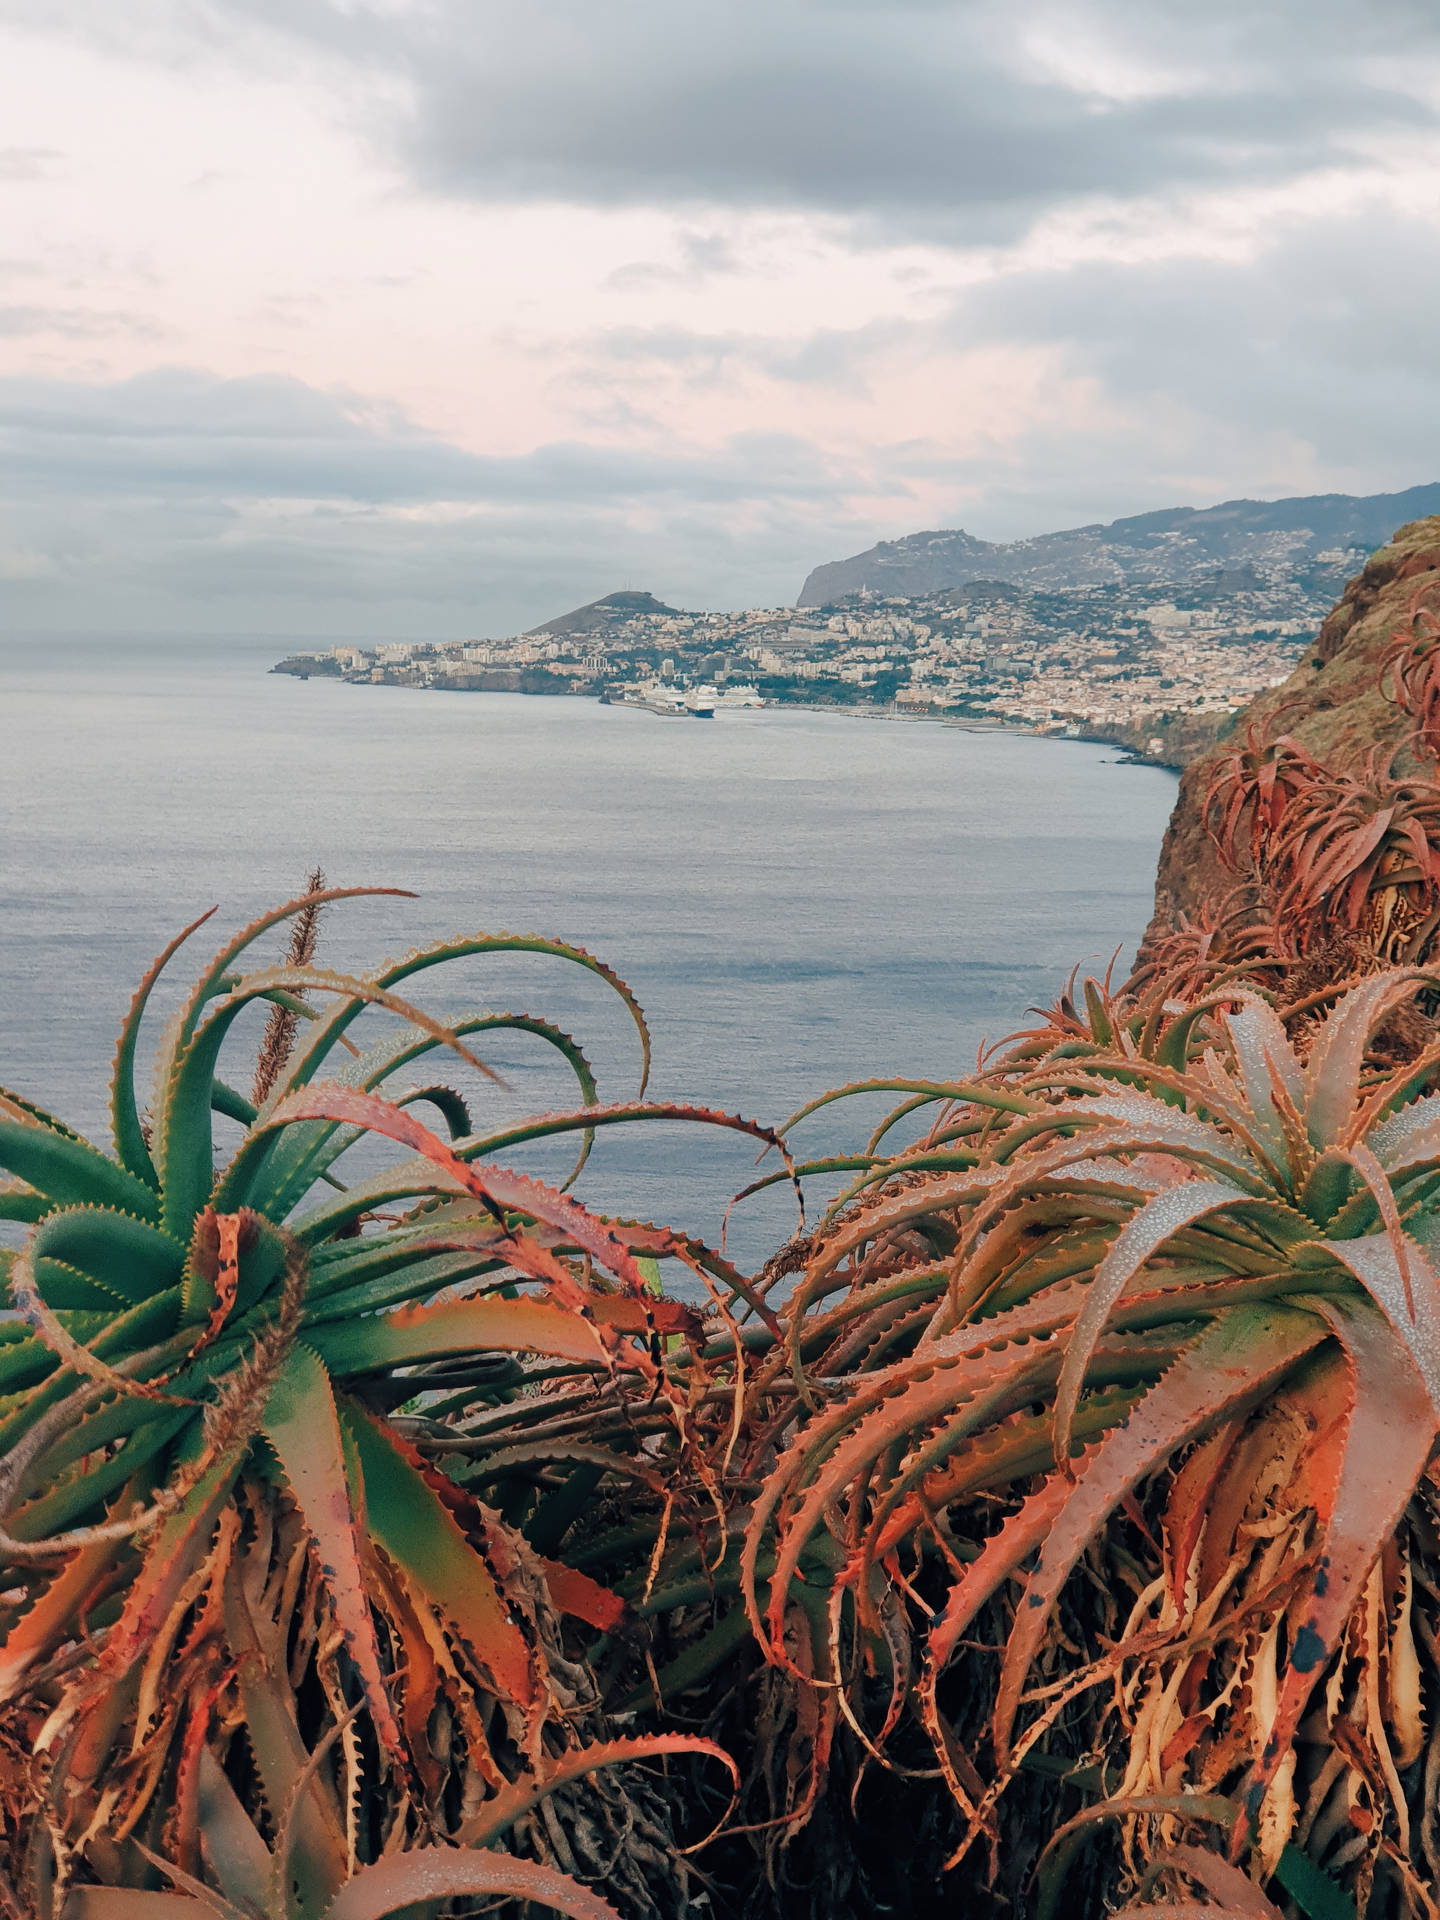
[70, 1172]
[129, 1258]
[416, 1528]
[129, 1135]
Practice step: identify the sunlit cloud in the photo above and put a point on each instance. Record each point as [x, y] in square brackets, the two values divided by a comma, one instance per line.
[435, 316]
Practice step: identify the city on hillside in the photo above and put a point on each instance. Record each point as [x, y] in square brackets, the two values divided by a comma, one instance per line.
[1152, 667]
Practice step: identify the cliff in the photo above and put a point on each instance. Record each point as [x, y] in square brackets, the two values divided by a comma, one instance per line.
[1324, 532]
[1331, 703]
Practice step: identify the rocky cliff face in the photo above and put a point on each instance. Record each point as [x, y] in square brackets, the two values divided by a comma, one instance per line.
[1332, 704]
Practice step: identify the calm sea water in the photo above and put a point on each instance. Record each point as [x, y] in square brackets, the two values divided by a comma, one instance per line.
[798, 899]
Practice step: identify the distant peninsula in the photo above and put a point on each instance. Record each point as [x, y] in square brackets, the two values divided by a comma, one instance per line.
[1150, 633]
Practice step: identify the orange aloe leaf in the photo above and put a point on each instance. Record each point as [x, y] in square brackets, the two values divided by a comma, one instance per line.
[974, 1392]
[415, 1527]
[1391, 1430]
[1141, 1237]
[524, 1325]
[431, 1874]
[501, 1812]
[1229, 1366]
[302, 1425]
[1332, 1073]
[581, 1597]
[181, 1538]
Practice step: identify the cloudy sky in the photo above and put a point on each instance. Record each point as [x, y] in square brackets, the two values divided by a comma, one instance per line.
[439, 316]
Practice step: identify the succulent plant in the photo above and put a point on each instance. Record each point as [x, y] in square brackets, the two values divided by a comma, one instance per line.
[1410, 668]
[264, 1646]
[1123, 1419]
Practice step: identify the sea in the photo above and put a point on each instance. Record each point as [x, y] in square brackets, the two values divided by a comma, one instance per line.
[799, 899]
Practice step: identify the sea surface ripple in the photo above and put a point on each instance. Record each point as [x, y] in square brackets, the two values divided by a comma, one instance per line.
[799, 899]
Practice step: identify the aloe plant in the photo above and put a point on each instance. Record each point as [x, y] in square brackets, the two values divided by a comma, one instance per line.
[1410, 668]
[1115, 1397]
[266, 1649]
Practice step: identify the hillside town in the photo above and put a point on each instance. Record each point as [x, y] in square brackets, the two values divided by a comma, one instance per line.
[1139, 665]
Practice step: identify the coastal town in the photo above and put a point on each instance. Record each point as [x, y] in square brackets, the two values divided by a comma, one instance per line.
[1149, 667]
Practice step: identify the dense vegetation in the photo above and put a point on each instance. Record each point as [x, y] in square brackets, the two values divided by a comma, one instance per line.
[1051, 1527]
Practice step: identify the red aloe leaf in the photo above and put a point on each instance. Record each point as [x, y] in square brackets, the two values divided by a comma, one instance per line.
[428, 1875]
[1003, 1553]
[1188, 1506]
[302, 1425]
[626, 1315]
[180, 1540]
[1230, 1365]
[496, 1185]
[581, 1597]
[1391, 1430]
[980, 1382]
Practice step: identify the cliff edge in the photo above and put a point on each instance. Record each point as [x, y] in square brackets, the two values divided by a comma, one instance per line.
[1331, 703]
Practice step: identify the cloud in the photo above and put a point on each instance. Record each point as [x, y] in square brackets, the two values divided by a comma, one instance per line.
[27, 163]
[1324, 338]
[959, 117]
[179, 431]
[807, 273]
[177, 497]
[75, 323]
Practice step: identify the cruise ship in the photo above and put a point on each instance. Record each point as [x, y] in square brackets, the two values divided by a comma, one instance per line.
[699, 703]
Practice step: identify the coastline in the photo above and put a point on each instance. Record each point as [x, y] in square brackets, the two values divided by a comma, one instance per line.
[1131, 752]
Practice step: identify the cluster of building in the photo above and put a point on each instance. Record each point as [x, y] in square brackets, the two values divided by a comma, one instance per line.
[1121, 662]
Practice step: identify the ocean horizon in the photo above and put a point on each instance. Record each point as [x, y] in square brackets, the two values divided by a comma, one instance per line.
[799, 899]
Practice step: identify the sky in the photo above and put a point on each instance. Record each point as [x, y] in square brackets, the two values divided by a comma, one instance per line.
[434, 318]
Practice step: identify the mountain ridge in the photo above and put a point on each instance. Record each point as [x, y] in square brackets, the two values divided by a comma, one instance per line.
[1168, 544]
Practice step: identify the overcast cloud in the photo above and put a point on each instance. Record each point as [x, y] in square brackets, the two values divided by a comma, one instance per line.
[438, 315]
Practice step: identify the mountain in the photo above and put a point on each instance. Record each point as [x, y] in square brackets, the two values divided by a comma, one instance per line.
[1172, 546]
[603, 613]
